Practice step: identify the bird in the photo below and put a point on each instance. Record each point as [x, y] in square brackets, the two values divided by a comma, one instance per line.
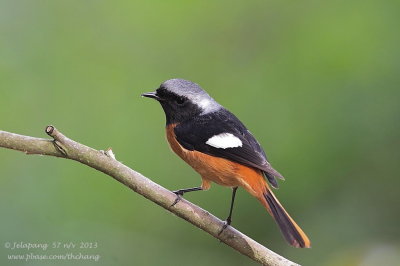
[217, 145]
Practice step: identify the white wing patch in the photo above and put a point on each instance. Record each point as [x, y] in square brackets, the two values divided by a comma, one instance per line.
[224, 140]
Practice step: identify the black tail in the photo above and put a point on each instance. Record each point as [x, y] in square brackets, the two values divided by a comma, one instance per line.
[291, 231]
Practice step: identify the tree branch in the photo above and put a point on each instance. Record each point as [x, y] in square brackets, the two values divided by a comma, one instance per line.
[61, 146]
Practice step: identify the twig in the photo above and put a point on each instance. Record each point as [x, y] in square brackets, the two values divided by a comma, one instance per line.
[61, 146]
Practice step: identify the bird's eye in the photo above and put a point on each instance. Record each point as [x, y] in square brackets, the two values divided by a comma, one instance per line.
[180, 100]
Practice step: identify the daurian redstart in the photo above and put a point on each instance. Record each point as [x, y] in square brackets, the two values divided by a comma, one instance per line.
[220, 148]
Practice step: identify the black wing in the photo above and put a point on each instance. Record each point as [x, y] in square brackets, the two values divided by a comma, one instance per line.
[193, 135]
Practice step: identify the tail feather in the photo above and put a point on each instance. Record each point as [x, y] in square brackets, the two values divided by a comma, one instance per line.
[290, 230]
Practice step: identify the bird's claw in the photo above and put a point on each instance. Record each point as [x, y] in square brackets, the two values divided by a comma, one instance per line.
[179, 195]
[226, 224]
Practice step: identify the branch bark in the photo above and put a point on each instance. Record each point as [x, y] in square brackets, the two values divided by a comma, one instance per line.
[61, 146]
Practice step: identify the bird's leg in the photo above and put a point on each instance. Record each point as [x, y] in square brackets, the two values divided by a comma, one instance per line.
[179, 193]
[229, 219]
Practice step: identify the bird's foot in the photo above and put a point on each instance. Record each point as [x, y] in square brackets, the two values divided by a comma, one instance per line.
[227, 222]
[179, 194]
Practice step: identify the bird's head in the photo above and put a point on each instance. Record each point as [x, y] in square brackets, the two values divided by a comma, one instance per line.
[182, 99]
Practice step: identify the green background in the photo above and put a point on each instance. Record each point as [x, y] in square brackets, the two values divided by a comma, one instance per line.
[317, 82]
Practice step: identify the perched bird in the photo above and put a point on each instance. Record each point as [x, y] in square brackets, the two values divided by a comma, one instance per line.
[220, 148]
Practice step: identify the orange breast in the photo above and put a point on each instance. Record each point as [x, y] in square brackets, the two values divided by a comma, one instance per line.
[219, 170]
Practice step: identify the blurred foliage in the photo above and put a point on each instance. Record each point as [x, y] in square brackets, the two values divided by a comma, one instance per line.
[316, 82]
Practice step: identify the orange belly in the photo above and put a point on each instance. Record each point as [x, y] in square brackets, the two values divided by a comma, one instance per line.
[218, 170]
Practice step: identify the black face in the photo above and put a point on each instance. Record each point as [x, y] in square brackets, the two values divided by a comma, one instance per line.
[177, 108]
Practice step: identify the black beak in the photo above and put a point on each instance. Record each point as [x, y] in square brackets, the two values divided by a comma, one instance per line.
[152, 94]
